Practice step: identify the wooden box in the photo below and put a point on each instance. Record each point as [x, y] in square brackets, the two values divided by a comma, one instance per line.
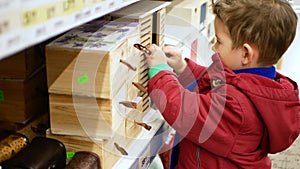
[150, 17]
[86, 116]
[78, 108]
[90, 55]
[22, 64]
[22, 99]
[93, 116]
[189, 13]
[159, 27]
[141, 13]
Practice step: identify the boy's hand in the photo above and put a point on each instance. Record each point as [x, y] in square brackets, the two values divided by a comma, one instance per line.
[157, 56]
[175, 59]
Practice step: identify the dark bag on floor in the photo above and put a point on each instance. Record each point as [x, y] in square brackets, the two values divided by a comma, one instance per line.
[41, 153]
[84, 160]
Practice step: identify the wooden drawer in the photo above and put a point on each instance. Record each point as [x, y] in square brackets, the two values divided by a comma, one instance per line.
[90, 51]
[77, 113]
[93, 73]
[150, 16]
[81, 115]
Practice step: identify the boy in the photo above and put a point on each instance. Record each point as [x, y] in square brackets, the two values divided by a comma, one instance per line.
[240, 109]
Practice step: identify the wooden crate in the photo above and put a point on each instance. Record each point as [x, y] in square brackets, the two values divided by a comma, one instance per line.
[150, 17]
[22, 99]
[90, 53]
[92, 73]
[159, 27]
[76, 109]
[189, 13]
[143, 13]
[23, 64]
[81, 116]
[94, 117]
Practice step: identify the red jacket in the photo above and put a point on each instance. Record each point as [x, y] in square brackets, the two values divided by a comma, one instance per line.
[232, 120]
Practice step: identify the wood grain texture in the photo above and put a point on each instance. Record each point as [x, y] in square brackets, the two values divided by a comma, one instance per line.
[22, 99]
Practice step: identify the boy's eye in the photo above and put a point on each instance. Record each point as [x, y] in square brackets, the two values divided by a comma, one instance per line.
[217, 40]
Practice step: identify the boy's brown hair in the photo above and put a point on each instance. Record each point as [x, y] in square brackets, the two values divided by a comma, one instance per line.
[270, 25]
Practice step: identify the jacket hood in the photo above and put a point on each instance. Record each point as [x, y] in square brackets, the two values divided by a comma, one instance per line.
[277, 102]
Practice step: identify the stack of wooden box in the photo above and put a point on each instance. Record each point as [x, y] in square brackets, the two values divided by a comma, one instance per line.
[150, 16]
[23, 88]
[90, 71]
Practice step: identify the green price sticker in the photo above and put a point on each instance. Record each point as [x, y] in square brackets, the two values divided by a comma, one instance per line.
[70, 154]
[1, 95]
[83, 79]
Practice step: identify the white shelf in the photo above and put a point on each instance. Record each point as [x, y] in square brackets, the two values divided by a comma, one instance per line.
[24, 23]
[147, 144]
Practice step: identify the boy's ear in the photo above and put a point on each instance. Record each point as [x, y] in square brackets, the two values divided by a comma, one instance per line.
[248, 54]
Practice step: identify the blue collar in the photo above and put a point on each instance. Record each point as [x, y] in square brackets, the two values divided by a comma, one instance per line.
[269, 72]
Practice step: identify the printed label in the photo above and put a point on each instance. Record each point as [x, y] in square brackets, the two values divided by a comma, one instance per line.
[1, 95]
[70, 154]
[83, 79]
[34, 16]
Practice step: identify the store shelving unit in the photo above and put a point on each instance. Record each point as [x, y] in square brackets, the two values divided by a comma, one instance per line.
[24, 23]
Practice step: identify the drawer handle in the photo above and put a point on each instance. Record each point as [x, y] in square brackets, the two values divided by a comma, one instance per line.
[140, 87]
[142, 48]
[146, 126]
[129, 104]
[128, 65]
[121, 149]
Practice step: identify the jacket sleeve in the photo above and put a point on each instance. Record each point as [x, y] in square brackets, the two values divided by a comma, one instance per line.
[197, 117]
[192, 69]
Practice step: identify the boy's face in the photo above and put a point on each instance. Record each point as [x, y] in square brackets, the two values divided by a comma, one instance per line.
[230, 57]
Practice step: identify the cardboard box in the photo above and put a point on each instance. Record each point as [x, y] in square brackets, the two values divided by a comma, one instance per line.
[22, 64]
[21, 100]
